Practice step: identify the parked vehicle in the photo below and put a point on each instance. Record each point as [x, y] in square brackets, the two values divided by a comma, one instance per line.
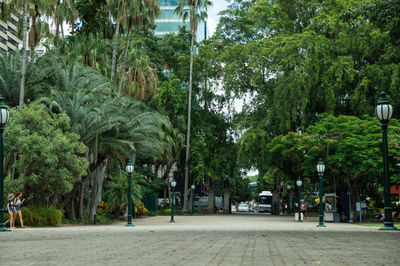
[265, 202]
[243, 207]
[202, 202]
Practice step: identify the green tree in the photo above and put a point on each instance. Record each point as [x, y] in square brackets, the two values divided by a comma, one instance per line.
[51, 159]
[197, 11]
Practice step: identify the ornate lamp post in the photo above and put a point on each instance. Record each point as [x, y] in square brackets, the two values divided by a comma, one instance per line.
[299, 183]
[384, 112]
[4, 116]
[129, 170]
[193, 187]
[320, 170]
[289, 209]
[173, 185]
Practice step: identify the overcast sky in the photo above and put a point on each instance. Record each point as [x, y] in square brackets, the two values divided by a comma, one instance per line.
[213, 18]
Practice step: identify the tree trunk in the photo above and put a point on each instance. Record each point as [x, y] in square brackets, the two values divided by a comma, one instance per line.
[58, 29]
[72, 214]
[124, 61]
[98, 178]
[115, 42]
[81, 190]
[211, 198]
[226, 201]
[23, 59]
[185, 198]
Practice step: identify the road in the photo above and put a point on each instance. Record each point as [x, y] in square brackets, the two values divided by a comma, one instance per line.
[202, 240]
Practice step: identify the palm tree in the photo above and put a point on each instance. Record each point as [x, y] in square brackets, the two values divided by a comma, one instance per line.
[142, 79]
[34, 34]
[138, 12]
[117, 11]
[200, 6]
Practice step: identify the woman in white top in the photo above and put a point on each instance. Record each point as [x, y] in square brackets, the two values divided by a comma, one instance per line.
[18, 203]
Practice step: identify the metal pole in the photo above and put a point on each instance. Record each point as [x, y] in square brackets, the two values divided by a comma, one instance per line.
[173, 205]
[192, 202]
[2, 225]
[298, 206]
[130, 201]
[388, 224]
[321, 205]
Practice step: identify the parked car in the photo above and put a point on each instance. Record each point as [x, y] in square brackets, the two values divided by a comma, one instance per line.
[243, 207]
[202, 202]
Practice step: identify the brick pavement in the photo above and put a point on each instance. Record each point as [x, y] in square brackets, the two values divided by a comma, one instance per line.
[202, 240]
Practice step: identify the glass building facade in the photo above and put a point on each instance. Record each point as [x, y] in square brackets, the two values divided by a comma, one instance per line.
[168, 22]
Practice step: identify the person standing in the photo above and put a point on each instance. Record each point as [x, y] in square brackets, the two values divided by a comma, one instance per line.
[18, 211]
[303, 208]
[11, 208]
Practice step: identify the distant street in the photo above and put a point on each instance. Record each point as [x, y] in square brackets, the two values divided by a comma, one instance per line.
[202, 240]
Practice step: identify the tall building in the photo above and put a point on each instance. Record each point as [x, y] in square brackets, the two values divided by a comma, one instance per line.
[8, 35]
[168, 22]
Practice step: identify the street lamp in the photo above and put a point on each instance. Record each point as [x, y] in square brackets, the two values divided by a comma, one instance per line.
[384, 112]
[299, 183]
[4, 116]
[320, 170]
[173, 185]
[288, 200]
[129, 169]
[193, 187]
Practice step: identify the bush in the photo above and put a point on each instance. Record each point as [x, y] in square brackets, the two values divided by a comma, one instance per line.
[150, 213]
[41, 216]
[141, 210]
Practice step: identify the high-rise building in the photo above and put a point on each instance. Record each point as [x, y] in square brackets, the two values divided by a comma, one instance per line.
[8, 35]
[169, 22]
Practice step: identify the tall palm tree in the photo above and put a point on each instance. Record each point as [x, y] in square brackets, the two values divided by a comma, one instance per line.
[117, 8]
[197, 11]
[24, 5]
[139, 12]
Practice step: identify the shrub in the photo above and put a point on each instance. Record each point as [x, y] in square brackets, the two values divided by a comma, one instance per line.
[41, 216]
[141, 210]
[150, 213]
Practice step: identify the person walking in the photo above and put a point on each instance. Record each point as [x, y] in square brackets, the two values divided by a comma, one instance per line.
[18, 203]
[10, 207]
[303, 208]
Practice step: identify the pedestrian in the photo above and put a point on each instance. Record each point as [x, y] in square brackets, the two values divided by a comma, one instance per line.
[18, 203]
[10, 207]
[303, 208]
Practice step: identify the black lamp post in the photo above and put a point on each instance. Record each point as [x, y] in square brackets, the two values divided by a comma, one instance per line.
[173, 185]
[299, 183]
[320, 170]
[384, 112]
[4, 116]
[288, 199]
[193, 187]
[129, 170]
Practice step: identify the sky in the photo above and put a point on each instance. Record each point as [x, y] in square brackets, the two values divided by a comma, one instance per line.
[213, 18]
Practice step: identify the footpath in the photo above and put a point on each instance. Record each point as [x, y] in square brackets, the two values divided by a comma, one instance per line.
[202, 240]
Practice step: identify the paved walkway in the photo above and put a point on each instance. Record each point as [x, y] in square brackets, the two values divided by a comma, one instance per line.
[202, 240]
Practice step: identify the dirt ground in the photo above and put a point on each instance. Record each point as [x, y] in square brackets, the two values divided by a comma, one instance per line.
[202, 240]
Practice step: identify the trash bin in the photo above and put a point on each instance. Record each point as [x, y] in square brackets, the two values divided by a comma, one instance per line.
[150, 202]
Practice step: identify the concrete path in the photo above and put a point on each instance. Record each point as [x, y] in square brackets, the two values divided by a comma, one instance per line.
[202, 240]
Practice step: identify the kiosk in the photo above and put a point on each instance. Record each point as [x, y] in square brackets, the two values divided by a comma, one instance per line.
[330, 207]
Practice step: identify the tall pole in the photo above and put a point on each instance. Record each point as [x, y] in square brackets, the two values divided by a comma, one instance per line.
[130, 201]
[298, 205]
[384, 112]
[321, 205]
[2, 225]
[173, 205]
[4, 116]
[388, 224]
